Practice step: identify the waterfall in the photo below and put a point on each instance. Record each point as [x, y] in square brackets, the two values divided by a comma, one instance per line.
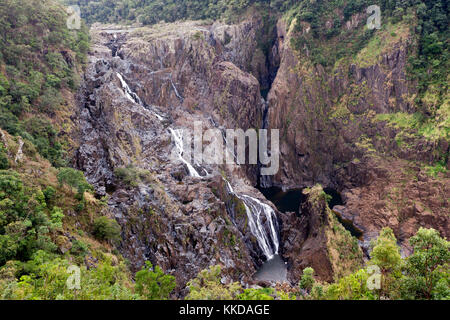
[267, 236]
[133, 97]
[265, 231]
[178, 137]
[176, 91]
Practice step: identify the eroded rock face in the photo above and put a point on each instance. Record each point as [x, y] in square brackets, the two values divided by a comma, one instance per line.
[181, 73]
[332, 136]
[315, 239]
[139, 84]
[304, 101]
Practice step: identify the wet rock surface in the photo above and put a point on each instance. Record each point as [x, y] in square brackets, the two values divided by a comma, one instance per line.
[139, 84]
[332, 137]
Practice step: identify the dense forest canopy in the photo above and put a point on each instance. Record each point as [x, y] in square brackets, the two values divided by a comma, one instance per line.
[154, 11]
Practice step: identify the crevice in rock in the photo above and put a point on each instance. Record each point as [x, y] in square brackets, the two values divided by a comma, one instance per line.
[285, 201]
[272, 59]
[349, 226]
[336, 199]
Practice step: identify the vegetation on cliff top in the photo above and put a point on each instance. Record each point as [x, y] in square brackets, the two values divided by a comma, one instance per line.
[154, 11]
[334, 35]
[322, 34]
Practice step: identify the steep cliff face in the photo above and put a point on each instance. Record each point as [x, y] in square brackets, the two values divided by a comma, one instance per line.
[140, 87]
[334, 132]
[320, 111]
[316, 239]
[143, 84]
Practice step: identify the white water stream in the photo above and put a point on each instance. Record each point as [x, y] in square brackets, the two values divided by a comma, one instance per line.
[178, 138]
[267, 239]
[265, 232]
[132, 96]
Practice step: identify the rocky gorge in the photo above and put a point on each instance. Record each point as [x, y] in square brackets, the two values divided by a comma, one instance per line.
[142, 84]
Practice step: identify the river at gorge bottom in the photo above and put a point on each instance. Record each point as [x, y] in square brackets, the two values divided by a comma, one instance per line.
[273, 270]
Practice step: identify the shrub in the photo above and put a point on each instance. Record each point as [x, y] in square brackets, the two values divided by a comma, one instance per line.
[24, 222]
[49, 194]
[131, 176]
[106, 229]
[44, 137]
[257, 294]
[153, 284]
[79, 248]
[307, 281]
[207, 286]
[73, 178]
[4, 163]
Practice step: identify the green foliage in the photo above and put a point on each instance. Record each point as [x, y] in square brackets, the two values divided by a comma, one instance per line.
[73, 178]
[307, 281]
[42, 134]
[25, 221]
[79, 248]
[351, 287]
[386, 255]
[207, 286]
[154, 11]
[327, 44]
[4, 163]
[132, 176]
[56, 216]
[47, 275]
[423, 275]
[431, 64]
[417, 123]
[153, 284]
[427, 268]
[439, 167]
[38, 57]
[333, 43]
[49, 194]
[106, 229]
[257, 294]
[385, 252]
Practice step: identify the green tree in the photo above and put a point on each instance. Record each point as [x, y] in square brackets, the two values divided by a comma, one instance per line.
[25, 225]
[351, 287]
[153, 283]
[307, 281]
[257, 294]
[386, 255]
[207, 286]
[427, 269]
[4, 163]
[73, 178]
[106, 229]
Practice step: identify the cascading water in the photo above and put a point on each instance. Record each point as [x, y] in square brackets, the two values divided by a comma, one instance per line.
[266, 232]
[133, 97]
[266, 235]
[177, 135]
[178, 138]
